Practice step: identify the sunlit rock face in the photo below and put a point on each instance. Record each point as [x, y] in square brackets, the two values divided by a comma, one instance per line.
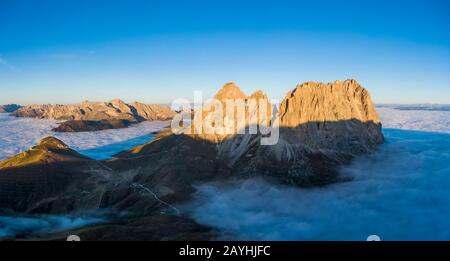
[96, 111]
[321, 126]
[230, 113]
[338, 116]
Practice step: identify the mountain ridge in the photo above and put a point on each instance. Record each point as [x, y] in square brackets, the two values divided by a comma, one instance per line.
[95, 116]
[113, 110]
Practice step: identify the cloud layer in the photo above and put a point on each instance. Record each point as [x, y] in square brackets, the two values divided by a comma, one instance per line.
[399, 192]
[18, 134]
[422, 120]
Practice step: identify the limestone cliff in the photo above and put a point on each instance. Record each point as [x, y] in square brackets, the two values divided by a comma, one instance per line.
[51, 178]
[338, 116]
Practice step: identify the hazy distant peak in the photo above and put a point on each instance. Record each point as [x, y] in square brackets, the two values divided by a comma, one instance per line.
[327, 102]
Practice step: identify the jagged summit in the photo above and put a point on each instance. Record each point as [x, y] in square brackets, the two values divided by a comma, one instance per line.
[51, 142]
[258, 95]
[321, 125]
[329, 84]
[230, 91]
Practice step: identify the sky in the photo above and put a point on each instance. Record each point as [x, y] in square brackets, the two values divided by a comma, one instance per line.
[54, 51]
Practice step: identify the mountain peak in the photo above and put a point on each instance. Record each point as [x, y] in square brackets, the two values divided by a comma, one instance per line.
[337, 83]
[230, 91]
[258, 95]
[51, 142]
[49, 150]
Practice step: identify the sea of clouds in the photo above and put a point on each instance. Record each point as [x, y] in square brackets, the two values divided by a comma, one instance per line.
[18, 134]
[399, 192]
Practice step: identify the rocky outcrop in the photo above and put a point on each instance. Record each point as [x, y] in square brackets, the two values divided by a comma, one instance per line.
[9, 108]
[51, 178]
[152, 112]
[338, 116]
[96, 111]
[230, 112]
[81, 126]
[321, 126]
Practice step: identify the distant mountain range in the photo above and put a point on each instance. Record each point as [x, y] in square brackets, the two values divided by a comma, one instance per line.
[93, 116]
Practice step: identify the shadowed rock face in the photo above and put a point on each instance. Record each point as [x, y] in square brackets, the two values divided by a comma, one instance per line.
[96, 111]
[321, 126]
[230, 92]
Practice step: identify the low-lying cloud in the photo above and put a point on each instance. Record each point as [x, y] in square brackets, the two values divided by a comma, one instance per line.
[400, 192]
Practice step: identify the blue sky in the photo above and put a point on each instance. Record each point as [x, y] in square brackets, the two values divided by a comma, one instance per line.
[156, 51]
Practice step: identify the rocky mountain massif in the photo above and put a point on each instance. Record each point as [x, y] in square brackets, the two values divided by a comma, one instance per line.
[9, 108]
[91, 116]
[321, 126]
